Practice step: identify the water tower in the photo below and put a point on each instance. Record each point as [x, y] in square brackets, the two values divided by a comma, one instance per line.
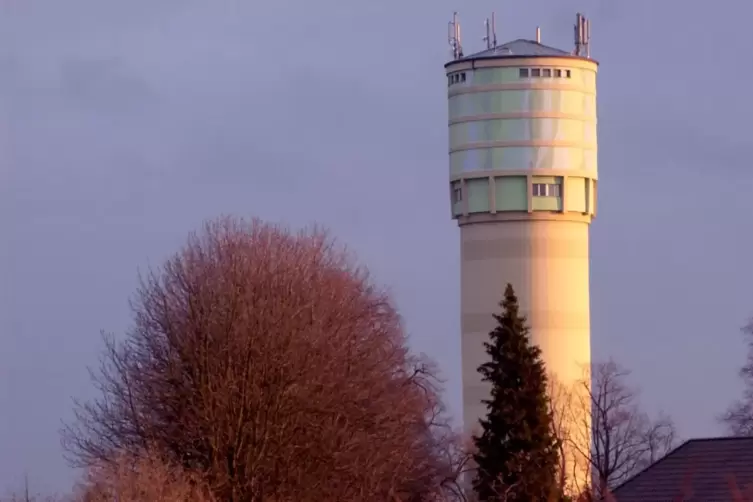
[523, 189]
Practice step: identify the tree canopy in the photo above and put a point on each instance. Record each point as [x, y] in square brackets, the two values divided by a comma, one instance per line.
[270, 364]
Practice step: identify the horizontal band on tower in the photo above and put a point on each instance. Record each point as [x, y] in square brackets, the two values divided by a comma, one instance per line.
[472, 89]
[473, 324]
[496, 173]
[509, 216]
[524, 143]
[523, 115]
[528, 248]
[522, 62]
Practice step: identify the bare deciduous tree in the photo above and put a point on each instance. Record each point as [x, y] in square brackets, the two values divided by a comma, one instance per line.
[560, 407]
[623, 439]
[269, 363]
[28, 496]
[738, 419]
[142, 479]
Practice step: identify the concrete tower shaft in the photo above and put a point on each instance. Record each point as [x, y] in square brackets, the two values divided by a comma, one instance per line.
[523, 184]
[546, 260]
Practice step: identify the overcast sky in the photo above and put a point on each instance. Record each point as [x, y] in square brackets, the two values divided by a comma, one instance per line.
[124, 124]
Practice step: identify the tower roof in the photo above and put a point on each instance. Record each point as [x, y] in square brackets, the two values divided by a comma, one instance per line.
[520, 48]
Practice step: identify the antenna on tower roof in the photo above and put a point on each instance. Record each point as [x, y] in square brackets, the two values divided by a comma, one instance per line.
[587, 38]
[582, 36]
[488, 37]
[453, 36]
[494, 31]
[491, 33]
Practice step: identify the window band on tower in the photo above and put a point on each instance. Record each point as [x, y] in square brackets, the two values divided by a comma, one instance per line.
[456, 78]
[546, 190]
[543, 73]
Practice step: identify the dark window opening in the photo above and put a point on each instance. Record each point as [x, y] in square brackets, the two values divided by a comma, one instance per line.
[457, 194]
[546, 190]
[543, 72]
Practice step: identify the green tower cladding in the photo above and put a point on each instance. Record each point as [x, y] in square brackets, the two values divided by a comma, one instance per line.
[523, 190]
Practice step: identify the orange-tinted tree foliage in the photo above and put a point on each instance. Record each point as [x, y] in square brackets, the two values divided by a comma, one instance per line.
[142, 479]
[269, 363]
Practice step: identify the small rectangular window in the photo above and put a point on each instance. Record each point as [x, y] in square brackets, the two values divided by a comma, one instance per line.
[558, 73]
[546, 190]
[523, 73]
[567, 73]
[462, 77]
[449, 80]
[457, 194]
[536, 72]
[547, 72]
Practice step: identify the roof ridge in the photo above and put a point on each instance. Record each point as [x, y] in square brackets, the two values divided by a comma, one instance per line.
[531, 41]
[719, 438]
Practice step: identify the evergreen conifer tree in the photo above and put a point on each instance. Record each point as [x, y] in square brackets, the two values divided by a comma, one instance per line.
[516, 452]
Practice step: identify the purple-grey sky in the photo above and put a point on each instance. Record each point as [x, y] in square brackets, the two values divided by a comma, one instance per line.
[124, 124]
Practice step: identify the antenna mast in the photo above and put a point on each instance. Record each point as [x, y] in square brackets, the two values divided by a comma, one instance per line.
[582, 36]
[587, 36]
[494, 32]
[453, 36]
[491, 33]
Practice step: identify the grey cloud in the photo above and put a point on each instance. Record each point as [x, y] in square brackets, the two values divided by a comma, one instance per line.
[104, 86]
